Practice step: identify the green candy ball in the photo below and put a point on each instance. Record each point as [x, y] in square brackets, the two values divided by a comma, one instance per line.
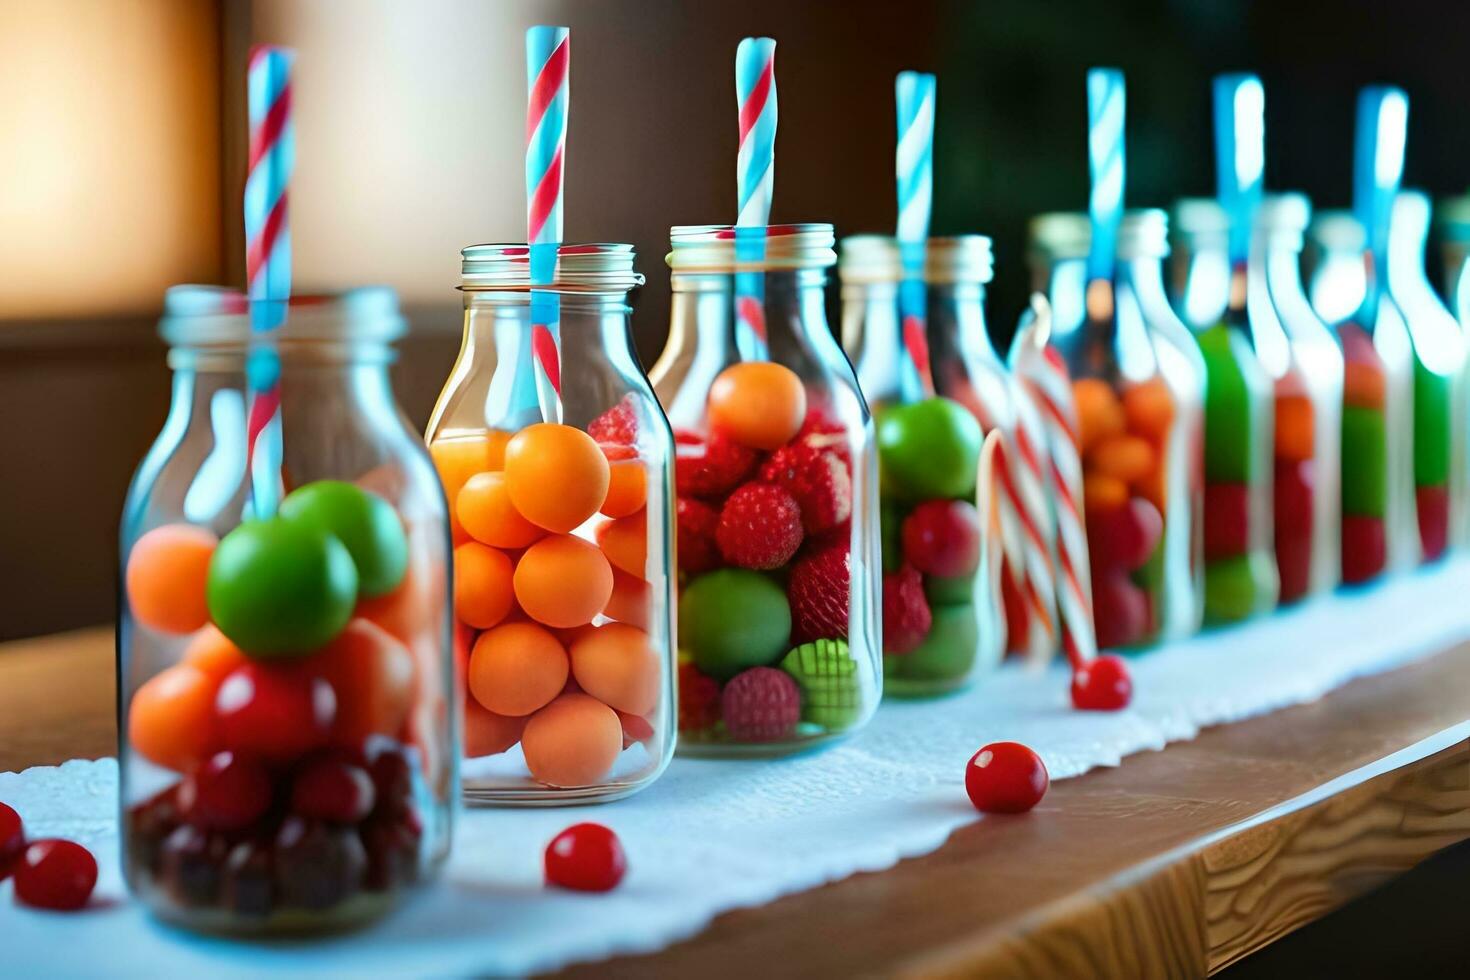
[1234, 587]
[831, 692]
[733, 619]
[364, 522]
[1235, 394]
[280, 588]
[1364, 461]
[956, 591]
[944, 660]
[929, 449]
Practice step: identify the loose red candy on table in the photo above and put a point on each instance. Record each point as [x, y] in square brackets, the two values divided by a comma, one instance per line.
[12, 839]
[1102, 684]
[1005, 777]
[228, 792]
[55, 874]
[1364, 548]
[274, 713]
[586, 857]
[1227, 520]
[942, 537]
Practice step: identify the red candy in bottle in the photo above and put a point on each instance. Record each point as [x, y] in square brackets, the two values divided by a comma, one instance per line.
[1119, 610]
[586, 857]
[1364, 548]
[228, 792]
[12, 840]
[1005, 777]
[274, 713]
[328, 789]
[1434, 520]
[1227, 519]
[55, 874]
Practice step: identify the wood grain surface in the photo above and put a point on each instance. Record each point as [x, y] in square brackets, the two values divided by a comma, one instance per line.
[1175, 864]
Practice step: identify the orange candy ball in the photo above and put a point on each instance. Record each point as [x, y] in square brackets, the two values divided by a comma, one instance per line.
[1127, 458]
[563, 581]
[461, 457]
[213, 653]
[573, 741]
[483, 593]
[1099, 414]
[517, 668]
[1295, 436]
[487, 515]
[486, 733]
[372, 674]
[627, 488]
[759, 404]
[167, 569]
[556, 475]
[625, 542]
[1102, 493]
[617, 664]
[631, 601]
[171, 718]
[1148, 408]
[1364, 384]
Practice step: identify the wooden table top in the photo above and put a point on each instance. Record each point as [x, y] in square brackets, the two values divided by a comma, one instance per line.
[1177, 863]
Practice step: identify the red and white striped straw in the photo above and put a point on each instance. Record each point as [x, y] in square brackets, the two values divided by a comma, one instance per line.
[548, 64]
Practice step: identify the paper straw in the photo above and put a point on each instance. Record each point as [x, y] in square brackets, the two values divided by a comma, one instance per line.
[1042, 373]
[1105, 163]
[1240, 155]
[1378, 167]
[267, 262]
[755, 96]
[915, 171]
[548, 63]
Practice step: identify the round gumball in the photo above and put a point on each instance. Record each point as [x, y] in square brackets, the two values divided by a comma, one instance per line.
[228, 792]
[1125, 537]
[1102, 493]
[486, 733]
[563, 581]
[212, 652]
[556, 475]
[487, 515]
[1292, 495]
[366, 524]
[1122, 457]
[573, 741]
[1226, 519]
[760, 404]
[929, 449]
[1294, 564]
[484, 593]
[167, 569]
[516, 668]
[171, 719]
[631, 601]
[1005, 777]
[274, 713]
[1102, 684]
[12, 839]
[1148, 409]
[627, 486]
[1231, 589]
[617, 664]
[1099, 413]
[1119, 611]
[942, 537]
[586, 857]
[1295, 428]
[333, 790]
[281, 588]
[55, 874]
[372, 674]
[625, 542]
[1364, 548]
[732, 619]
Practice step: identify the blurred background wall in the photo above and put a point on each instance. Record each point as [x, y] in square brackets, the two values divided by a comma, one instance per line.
[124, 135]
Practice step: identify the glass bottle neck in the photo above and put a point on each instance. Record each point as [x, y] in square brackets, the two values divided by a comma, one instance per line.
[873, 333]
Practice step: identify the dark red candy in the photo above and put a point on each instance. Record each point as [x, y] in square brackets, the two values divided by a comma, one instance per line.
[12, 840]
[191, 865]
[317, 865]
[55, 874]
[1364, 548]
[247, 876]
[1294, 563]
[334, 791]
[1124, 537]
[392, 845]
[391, 767]
[1120, 611]
[147, 826]
[586, 857]
[274, 713]
[228, 792]
[942, 537]
[1102, 684]
[1434, 520]
[1227, 520]
[1005, 777]
[1295, 484]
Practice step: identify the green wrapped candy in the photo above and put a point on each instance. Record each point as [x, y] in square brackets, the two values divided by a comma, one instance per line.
[1431, 427]
[1235, 390]
[1364, 461]
[733, 619]
[1231, 589]
[831, 693]
[955, 591]
[280, 588]
[364, 522]
[943, 661]
[929, 449]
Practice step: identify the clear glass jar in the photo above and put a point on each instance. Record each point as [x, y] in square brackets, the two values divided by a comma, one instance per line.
[1454, 228]
[1138, 379]
[944, 630]
[1240, 568]
[563, 537]
[1379, 528]
[777, 483]
[286, 708]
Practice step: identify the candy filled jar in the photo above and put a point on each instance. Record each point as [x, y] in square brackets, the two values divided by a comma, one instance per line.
[778, 559]
[940, 630]
[1138, 383]
[286, 694]
[563, 530]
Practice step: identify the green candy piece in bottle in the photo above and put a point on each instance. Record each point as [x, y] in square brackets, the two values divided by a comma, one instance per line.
[1431, 427]
[1364, 461]
[831, 693]
[1230, 405]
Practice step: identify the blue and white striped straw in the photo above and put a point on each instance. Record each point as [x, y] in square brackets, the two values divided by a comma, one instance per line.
[755, 97]
[548, 102]
[1240, 155]
[1105, 103]
[915, 93]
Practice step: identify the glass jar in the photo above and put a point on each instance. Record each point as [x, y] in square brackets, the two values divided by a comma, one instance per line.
[563, 535]
[1454, 228]
[286, 707]
[1304, 363]
[777, 500]
[1138, 381]
[1240, 568]
[1379, 528]
[942, 630]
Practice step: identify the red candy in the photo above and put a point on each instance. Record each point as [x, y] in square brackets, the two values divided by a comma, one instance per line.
[586, 857]
[274, 713]
[695, 541]
[55, 874]
[1005, 777]
[762, 704]
[1294, 563]
[1102, 684]
[906, 614]
[332, 790]
[228, 792]
[817, 480]
[699, 699]
[1364, 548]
[1124, 537]
[12, 840]
[618, 426]
[709, 468]
[1119, 610]
[1227, 520]
[1293, 489]
[760, 527]
[1434, 520]
[942, 537]
[819, 592]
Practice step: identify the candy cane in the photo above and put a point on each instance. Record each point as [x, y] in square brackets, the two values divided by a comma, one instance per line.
[548, 63]
[1030, 477]
[755, 96]
[915, 171]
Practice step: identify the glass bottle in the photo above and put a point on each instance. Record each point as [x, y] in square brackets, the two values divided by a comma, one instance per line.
[777, 484]
[563, 524]
[286, 708]
[1454, 228]
[1240, 570]
[964, 635]
[1138, 380]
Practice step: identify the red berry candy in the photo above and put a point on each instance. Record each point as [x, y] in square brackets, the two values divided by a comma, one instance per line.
[618, 426]
[1227, 520]
[328, 789]
[12, 840]
[1005, 777]
[228, 792]
[819, 592]
[819, 481]
[942, 537]
[55, 874]
[699, 699]
[1123, 537]
[762, 704]
[1120, 611]
[695, 540]
[586, 857]
[1102, 684]
[906, 614]
[1434, 520]
[1294, 486]
[710, 467]
[1294, 563]
[274, 713]
[1364, 548]
[760, 527]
